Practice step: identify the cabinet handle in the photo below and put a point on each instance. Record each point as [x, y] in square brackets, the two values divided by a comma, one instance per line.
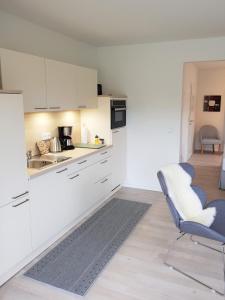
[82, 162]
[20, 195]
[103, 162]
[103, 153]
[18, 204]
[40, 108]
[75, 176]
[116, 131]
[104, 180]
[61, 171]
[82, 106]
[54, 107]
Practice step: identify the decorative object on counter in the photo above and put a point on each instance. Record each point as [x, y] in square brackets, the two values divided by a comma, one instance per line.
[212, 103]
[99, 89]
[78, 265]
[89, 146]
[43, 147]
[84, 134]
[65, 136]
[102, 141]
[97, 141]
[55, 145]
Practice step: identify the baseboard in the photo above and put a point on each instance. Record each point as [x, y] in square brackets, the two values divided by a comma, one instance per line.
[140, 187]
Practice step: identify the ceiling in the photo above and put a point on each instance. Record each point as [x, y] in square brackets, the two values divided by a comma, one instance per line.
[116, 22]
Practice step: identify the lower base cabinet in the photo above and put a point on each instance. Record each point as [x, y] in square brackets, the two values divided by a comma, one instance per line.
[60, 197]
[56, 199]
[48, 206]
[15, 235]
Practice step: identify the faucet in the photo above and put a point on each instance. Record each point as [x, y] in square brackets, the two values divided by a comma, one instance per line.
[29, 156]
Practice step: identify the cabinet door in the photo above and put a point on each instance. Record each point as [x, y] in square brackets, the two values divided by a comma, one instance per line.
[13, 175]
[14, 234]
[118, 156]
[82, 189]
[86, 80]
[49, 207]
[61, 85]
[24, 72]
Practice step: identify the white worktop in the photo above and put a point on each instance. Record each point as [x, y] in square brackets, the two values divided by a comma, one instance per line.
[76, 154]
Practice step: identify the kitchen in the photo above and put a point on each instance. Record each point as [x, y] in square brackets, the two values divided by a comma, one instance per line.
[44, 105]
[92, 221]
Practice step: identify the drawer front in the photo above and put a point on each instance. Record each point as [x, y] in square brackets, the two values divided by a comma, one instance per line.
[103, 154]
[88, 161]
[81, 164]
[103, 168]
[103, 187]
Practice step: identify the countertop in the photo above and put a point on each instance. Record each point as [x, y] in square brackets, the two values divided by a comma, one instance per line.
[76, 154]
[10, 92]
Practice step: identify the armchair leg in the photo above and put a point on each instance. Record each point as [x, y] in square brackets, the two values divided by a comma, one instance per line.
[172, 267]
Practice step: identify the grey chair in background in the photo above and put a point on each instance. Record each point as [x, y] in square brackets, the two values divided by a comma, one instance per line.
[209, 136]
[215, 232]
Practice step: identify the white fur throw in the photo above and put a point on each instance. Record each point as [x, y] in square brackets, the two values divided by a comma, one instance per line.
[185, 200]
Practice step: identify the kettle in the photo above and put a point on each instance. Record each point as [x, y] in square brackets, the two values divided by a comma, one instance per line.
[55, 145]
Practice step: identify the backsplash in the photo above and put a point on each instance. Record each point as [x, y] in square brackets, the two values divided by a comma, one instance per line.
[38, 123]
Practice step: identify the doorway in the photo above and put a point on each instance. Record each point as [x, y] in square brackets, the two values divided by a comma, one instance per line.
[203, 104]
[203, 82]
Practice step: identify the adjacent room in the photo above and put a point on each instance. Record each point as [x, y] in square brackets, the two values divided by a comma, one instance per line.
[112, 118]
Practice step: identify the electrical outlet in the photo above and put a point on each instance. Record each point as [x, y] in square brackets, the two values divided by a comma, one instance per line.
[46, 136]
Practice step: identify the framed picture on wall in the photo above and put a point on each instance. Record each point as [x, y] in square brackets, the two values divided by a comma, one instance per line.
[212, 103]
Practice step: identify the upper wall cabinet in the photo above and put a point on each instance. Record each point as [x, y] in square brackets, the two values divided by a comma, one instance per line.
[61, 85]
[48, 84]
[70, 86]
[20, 71]
[86, 87]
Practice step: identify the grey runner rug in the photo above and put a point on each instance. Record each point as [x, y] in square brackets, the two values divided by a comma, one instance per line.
[75, 262]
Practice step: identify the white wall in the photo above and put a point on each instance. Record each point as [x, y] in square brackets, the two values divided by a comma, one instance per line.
[211, 82]
[189, 95]
[18, 34]
[151, 76]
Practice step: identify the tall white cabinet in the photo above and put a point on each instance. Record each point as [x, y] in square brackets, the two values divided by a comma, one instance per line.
[98, 122]
[15, 236]
[118, 156]
[13, 175]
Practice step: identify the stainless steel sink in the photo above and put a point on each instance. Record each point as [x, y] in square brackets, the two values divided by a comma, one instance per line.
[43, 161]
[39, 164]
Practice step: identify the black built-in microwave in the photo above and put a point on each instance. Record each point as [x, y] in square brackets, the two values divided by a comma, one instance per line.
[118, 113]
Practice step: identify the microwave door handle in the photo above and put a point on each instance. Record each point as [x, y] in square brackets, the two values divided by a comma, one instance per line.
[120, 109]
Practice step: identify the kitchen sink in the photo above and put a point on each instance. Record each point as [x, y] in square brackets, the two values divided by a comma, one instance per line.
[44, 161]
[39, 164]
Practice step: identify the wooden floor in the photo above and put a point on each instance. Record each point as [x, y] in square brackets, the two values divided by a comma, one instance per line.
[208, 167]
[137, 271]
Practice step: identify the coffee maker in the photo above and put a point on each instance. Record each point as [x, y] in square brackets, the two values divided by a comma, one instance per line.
[65, 137]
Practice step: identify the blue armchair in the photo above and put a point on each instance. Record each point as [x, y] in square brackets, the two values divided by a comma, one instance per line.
[214, 232]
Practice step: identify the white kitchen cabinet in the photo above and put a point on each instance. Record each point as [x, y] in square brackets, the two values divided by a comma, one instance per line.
[20, 71]
[15, 236]
[70, 86]
[118, 156]
[49, 205]
[86, 80]
[13, 175]
[61, 85]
